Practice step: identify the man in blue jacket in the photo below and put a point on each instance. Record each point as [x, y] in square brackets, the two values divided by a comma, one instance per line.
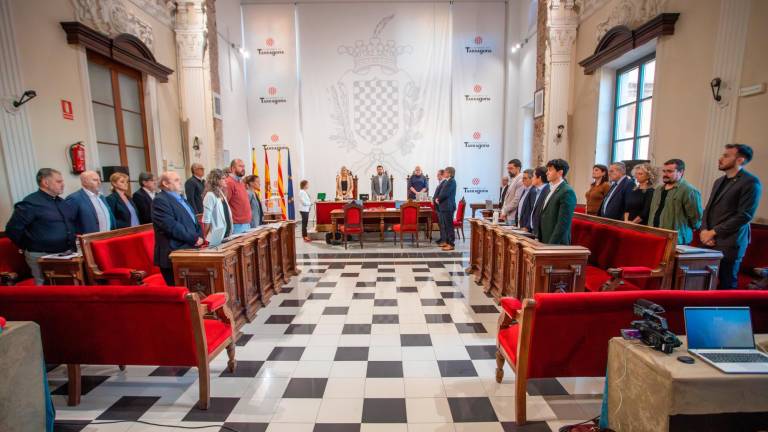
[446, 205]
[174, 222]
[92, 212]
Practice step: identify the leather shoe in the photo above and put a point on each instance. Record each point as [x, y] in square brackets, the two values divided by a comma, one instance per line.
[448, 247]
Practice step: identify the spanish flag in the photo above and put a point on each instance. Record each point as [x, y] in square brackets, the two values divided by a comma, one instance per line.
[280, 189]
[267, 184]
[254, 166]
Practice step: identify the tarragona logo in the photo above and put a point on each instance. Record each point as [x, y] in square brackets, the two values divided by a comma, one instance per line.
[475, 188]
[477, 95]
[274, 138]
[478, 47]
[475, 142]
[475, 181]
[269, 48]
[272, 97]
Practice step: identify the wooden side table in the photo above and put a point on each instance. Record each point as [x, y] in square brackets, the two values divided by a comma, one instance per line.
[69, 271]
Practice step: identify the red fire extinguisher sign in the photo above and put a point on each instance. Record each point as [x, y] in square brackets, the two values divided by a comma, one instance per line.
[66, 110]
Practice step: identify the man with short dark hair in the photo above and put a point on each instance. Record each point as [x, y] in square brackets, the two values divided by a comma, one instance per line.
[676, 204]
[503, 190]
[514, 192]
[43, 223]
[380, 184]
[237, 197]
[175, 224]
[194, 187]
[731, 206]
[143, 197]
[559, 204]
[613, 205]
[440, 180]
[528, 200]
[446, 205]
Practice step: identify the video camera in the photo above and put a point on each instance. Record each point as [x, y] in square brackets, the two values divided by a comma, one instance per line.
[653, 328]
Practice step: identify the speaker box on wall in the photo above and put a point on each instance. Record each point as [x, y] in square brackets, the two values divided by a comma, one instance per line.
[107, 171]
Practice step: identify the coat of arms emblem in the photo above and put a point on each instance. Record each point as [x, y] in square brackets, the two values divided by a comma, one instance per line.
[375, 104]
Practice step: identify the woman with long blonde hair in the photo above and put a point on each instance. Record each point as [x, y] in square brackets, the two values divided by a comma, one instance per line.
[638, 201]
[344, 184]
[120, 202]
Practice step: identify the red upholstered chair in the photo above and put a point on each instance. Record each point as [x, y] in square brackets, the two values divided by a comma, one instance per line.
[753, 273]
[621, 258]
[125, 325]
[531, 340]
[409, 222]
[13, 268]
[122, 257]
[458, 222]
[353, 222]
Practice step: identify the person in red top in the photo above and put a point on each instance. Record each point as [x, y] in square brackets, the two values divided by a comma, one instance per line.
[237, 197]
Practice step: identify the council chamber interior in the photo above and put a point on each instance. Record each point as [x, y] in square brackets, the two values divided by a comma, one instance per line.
[365, 215]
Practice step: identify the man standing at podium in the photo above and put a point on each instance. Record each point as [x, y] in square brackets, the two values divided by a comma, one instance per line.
[175, 223]
[380, 185]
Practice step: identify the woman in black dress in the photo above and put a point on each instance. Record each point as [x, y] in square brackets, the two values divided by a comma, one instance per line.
[638, 201]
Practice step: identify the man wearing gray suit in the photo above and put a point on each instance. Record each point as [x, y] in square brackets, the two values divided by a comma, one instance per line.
[380, 185]
[731, 206]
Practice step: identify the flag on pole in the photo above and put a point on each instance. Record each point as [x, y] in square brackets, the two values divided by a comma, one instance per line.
[254, 166]
[267, 184]
[291, 206]
[280, 190]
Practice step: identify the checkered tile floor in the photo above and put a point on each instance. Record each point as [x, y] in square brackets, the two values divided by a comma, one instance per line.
[389, 340]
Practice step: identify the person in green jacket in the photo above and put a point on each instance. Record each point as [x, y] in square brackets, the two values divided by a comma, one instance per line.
[676, 204]
[559, 204]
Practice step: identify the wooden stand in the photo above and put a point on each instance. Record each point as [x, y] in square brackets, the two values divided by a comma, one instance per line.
[696, 270]
[70, 271]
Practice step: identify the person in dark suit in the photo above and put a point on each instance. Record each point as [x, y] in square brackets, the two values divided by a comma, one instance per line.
[194, 187]
[446, 205]
[92, 213]
[120, 202]
[174, 223]
[558, 207]
[503, 190]
[143, 197]
[440, 177]
[533, 199]
[731, 206]
[614, 203]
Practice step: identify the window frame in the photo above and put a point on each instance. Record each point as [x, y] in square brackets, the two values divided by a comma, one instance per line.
[637, 101]
[116, 68]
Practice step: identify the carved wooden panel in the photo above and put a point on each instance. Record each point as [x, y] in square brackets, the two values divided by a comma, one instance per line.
[479, 234]
[293, 269]
[285, 234]
[263, 268]
[488, 255]
[251, 294]
[500, 267]
[275, 255]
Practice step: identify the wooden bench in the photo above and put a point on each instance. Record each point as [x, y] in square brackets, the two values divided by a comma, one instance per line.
[121, 257]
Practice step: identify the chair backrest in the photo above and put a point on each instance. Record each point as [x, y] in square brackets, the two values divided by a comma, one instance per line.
[137, 325]
[409, 215]
[11, 259]
[571, 331]
[353, 215]
[755, 255]
[460, 208]
[131, 248]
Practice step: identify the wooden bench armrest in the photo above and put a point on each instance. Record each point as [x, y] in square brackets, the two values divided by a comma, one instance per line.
[136, 277]
[619, 274]
[9, 278]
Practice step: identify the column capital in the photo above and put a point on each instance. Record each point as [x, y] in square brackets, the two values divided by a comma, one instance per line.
[190, 28]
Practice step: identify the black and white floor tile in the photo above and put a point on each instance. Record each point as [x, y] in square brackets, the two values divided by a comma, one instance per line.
[383, 339]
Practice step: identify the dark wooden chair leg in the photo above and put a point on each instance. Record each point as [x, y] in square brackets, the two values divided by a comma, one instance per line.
[499, 366]
[204, 382]
[231, 363]
[74, 385]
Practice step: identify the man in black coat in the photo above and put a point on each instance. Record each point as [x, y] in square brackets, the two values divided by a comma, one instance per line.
[142, 198]
[446, 205]
[613, 204]
[174, 222]
[440, 177]
[194, 187]
[731, 206]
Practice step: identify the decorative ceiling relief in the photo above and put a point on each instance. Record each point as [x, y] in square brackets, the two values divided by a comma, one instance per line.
[112, 17]
[630, 13]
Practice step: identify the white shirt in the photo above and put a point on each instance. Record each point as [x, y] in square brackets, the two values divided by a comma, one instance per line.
[613, 191]
[149, 192]
[305, 203]
[102, 212]
[552, 188]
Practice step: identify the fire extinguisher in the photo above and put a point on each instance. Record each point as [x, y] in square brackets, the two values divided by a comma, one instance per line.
[76, 155]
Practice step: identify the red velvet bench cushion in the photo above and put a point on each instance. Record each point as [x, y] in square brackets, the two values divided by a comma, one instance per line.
[116, 257]
[12, 261]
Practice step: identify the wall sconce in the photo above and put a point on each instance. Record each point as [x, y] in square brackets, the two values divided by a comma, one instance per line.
[560, 129]
[715, 85]
[26, 97]
[196, 144]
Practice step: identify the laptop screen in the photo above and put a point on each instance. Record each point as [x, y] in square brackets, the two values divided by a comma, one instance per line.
[719, 328]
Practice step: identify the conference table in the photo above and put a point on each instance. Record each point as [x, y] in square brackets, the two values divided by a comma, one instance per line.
[481, 206]
[381, 215]
[323, 210]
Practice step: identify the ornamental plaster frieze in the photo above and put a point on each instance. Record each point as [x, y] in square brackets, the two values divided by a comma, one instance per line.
[629, 13]
[112, 18]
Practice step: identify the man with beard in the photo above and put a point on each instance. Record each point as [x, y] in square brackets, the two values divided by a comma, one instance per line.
[731, 206]
[676, 204]
[514, 192]
[237, 197]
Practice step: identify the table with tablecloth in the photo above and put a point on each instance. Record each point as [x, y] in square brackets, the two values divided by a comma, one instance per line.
[323, 211]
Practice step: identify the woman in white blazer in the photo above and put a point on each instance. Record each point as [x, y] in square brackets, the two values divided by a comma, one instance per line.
[305, 204]
[217, 216]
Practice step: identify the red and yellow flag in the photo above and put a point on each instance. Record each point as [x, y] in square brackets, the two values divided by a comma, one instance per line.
[280, 189]
[254, 166]
[267, 185]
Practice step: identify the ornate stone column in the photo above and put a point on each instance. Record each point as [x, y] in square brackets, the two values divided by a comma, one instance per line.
[194, 82]
[562, 22]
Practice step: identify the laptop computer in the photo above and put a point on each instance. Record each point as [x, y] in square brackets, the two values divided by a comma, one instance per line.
[722, 337]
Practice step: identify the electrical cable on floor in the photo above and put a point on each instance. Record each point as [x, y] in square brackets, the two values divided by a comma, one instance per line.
[220, 426]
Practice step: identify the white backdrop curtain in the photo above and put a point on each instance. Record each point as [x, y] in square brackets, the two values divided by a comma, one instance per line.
[380, 83]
